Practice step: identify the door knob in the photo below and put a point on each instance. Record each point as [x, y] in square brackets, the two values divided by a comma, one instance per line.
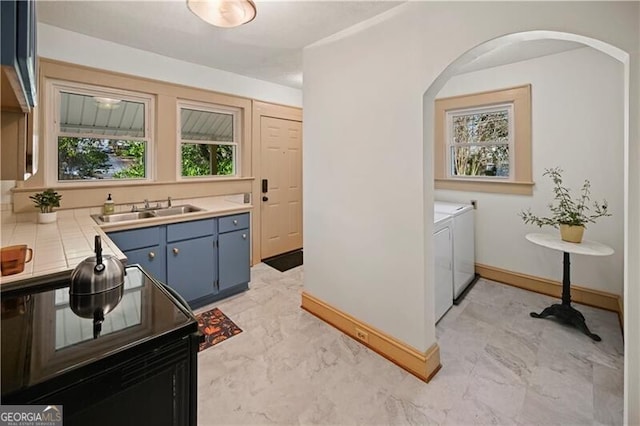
[151, 255]
[176, 250]
[244, 236]
[265, 198]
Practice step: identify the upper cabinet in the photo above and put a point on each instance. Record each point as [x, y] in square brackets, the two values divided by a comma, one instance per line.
[18, 55]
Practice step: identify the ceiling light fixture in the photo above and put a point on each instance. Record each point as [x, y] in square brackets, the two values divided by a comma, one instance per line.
[107, 103]
[224, 13]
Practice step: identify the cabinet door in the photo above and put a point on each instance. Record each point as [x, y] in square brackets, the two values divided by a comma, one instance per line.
[234, 258]
[26, 48]
[191, 267]
[152, 260]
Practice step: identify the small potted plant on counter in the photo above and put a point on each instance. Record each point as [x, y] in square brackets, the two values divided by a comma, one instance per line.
[46, 201]
[571, 215]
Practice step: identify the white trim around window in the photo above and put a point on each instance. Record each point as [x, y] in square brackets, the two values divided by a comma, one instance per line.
[452, 145]
[233, 141]
[54, 90]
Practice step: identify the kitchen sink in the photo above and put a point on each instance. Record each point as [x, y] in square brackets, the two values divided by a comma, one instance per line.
[171, 211]
[145, 214]
[120, 217]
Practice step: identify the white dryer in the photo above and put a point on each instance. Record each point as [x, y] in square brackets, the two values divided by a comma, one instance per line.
[464, 256]
[443, 261]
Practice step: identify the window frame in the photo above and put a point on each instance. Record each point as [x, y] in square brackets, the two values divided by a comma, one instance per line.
[451, 114]
[235, 112]
[54, 89]
[520, 168]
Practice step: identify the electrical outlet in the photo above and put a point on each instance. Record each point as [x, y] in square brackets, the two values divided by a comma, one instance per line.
[474, 203]
[362, 335]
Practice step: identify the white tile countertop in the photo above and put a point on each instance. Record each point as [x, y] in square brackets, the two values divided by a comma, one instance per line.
[60, 246]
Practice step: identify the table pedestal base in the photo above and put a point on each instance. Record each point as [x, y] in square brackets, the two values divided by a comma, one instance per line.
[569, 315]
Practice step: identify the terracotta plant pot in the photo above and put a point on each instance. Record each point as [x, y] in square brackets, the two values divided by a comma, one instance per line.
[572, 234]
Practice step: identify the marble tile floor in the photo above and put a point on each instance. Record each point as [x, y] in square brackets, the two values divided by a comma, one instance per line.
[500, 366]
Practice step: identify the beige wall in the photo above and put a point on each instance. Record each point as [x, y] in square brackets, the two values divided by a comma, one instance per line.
[13, 128]
[165, 133]
[165, 155]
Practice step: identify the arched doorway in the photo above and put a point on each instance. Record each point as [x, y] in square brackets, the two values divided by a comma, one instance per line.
[499, 43]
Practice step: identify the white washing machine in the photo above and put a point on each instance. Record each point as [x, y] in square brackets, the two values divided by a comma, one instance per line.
[464, 256]
[443, 261]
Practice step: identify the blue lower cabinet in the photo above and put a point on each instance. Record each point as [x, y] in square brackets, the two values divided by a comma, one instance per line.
[234, 248]
[191, 267]
[152, 260]
[192, 257]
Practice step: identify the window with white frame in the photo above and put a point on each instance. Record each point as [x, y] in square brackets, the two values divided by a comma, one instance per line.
[480, 142]
[101, 134]
[209, 140]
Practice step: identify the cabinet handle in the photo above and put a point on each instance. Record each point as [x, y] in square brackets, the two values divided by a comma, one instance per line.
[176, 250]
[235, 221]
[244, 236]
[151, 255]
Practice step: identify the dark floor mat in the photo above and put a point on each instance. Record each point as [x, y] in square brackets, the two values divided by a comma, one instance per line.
[216, 327]
[284, 262]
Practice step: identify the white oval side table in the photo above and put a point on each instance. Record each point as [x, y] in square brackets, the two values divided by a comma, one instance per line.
[564, 311]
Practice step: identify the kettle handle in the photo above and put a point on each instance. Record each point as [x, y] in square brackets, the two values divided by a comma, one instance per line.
[98, 248]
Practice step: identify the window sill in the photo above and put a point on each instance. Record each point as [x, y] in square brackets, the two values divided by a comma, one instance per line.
[128, 183]
[497, 187]
[183, 179]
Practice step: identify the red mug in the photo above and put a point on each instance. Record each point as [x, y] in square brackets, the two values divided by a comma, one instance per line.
[14, 258]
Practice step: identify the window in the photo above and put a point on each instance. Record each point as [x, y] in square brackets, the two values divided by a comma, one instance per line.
[101, 134]
[208, 140]
[479, 140]
[483, 142]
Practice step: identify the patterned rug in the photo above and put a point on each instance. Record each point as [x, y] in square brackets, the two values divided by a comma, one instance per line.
[216, 327]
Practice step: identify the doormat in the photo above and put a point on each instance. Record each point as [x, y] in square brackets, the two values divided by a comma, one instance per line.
[286, 261]
[216, 327]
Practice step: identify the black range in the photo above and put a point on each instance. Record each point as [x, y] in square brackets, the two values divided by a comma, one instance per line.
[136, 364]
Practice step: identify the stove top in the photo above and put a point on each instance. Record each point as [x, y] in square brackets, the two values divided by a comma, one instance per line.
[47, 332]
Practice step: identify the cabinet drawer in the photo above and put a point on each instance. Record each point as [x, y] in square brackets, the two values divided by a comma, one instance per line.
[136, 238]
[234, 222]
[194, 229]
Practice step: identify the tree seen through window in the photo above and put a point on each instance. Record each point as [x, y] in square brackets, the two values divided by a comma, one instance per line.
[480, 143]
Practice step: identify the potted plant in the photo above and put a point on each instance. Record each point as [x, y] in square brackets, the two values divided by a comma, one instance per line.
[46, 201]
[571, 215]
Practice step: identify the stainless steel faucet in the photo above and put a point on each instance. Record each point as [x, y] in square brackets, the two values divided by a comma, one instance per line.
[146, 203]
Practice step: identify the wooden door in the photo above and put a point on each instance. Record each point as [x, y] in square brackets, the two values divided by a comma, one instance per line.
[281, 204]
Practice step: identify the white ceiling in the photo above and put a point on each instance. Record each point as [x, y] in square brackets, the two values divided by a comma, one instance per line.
[268, 48]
